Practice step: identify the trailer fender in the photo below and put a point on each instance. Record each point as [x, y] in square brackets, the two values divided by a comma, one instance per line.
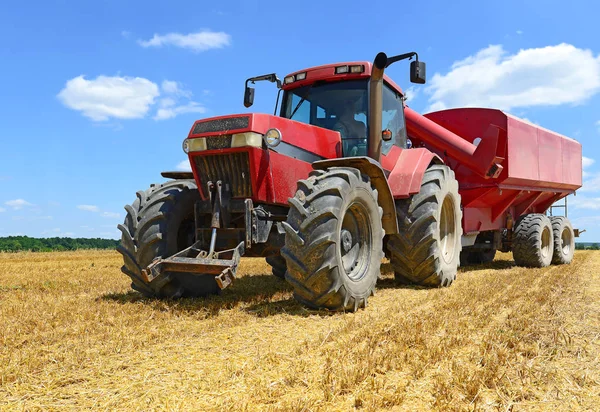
[375, 172]
[407, 175]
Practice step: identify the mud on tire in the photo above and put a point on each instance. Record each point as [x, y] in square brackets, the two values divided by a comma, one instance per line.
[533, 241]
[334, 236]
[160, 223]
[426, 251]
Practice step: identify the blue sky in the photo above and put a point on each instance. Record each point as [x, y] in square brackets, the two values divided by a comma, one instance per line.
[98, 96]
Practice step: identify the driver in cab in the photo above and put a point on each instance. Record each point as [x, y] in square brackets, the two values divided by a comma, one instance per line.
[353, 132]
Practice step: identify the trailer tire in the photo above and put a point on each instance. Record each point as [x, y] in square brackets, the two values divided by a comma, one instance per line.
[426, 249]
[334, 239]
[479, 257]
[278, 266]
[533, 243]
[160, 223]
[564, 240]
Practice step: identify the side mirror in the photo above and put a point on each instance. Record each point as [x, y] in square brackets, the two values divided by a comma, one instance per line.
[386, 135]
[417, 72]
[249, 96]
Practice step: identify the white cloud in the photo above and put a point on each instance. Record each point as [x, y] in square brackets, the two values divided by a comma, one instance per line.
[592, 183]
[411, 93]
[169, 112]
[2, 209]
[548, 76]
[198, 42]
[598, 125]
[109, 97]
[111, 215]
[175, 88]
[519, 32]
[581, 202]
[89, 208]
[587, 162]
[184, 166]
[18, 204]
[125, 33]
[586, 221]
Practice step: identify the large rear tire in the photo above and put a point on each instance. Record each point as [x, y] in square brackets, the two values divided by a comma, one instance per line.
[426, 251]
[160, 223]
[533, 243]
[334, 239]
[564, 240]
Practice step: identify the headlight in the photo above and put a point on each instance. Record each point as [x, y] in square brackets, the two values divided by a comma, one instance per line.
[194, 145]
[272, 137]
[246, 139]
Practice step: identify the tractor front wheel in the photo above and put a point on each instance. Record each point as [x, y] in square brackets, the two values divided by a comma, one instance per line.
[334, 238]
[160, 223]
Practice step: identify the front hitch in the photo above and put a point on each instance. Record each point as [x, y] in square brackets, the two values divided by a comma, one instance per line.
[223, 264]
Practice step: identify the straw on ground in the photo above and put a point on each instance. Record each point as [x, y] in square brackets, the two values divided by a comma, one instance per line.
[72, 335]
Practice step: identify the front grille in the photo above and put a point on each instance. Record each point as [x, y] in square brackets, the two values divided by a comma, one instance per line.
[232, 169]
[220, 125]
[218, 142]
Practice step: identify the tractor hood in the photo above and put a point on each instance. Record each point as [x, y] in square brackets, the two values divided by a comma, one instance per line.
[298, 140]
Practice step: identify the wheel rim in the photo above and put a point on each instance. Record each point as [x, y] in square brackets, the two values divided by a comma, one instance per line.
[546, 241]
[448, 229]
[355, 241]
[566, 238]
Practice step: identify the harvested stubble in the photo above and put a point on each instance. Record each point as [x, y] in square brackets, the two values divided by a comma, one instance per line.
[501, 338]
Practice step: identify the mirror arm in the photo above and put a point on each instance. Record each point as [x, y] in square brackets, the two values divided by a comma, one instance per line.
[399, 57]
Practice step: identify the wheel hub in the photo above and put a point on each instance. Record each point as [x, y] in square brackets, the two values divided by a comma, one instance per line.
[346, 240]
[355, 241]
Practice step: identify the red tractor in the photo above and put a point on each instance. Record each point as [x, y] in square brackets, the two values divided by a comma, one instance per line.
[346, 174]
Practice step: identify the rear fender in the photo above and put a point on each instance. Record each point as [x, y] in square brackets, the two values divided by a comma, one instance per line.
[374, 170]
[407, 174]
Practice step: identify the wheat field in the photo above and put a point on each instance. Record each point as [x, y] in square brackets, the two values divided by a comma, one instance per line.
[73, 336]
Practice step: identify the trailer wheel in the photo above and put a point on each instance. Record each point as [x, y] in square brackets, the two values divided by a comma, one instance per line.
[278, 266]
[426, 251]
[160, 223]
[533, 243]
[477, 258]
[564, 240]
[333, 243]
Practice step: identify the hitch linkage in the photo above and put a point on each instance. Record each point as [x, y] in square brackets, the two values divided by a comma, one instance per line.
[222, 264]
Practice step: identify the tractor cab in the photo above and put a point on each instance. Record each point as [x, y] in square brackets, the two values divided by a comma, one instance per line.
[349, 98]
[343, 106]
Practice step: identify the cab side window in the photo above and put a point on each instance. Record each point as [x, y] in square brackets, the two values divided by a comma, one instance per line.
[393, 119]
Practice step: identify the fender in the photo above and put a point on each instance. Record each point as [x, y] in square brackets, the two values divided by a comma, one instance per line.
[407, 174]
[374, 170]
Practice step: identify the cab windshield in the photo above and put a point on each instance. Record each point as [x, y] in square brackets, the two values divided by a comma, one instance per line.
[339, 106]
[343, 107]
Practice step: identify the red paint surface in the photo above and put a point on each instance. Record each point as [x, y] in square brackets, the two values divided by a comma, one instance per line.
[274, 175]
[536, 166]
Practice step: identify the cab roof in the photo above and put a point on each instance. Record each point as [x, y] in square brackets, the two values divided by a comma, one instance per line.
[328, 72]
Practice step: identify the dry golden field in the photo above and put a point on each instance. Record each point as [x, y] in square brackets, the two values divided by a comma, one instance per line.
[73, 336]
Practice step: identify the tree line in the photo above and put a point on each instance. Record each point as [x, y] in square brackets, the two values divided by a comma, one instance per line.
[587, 246]
[18, 243]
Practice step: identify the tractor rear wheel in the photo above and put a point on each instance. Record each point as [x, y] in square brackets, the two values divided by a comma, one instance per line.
[564, 240]
[426, 251]
[334, 239]
[533, 243]
[160, 223]
[278, 266]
